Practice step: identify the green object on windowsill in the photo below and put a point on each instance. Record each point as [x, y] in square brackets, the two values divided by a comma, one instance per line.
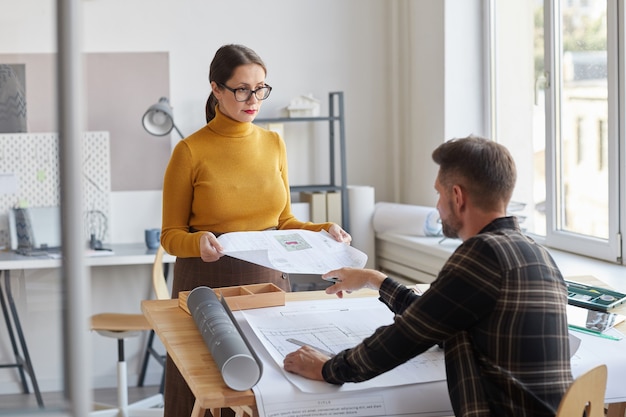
[593, 332]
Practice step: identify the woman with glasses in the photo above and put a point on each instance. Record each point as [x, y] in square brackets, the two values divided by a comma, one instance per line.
[229, 176]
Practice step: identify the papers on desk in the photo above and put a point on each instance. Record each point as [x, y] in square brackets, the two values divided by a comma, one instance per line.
[593, 322]
[593, 351]
[334, 325]
[279, 395]
[599, 342]
[293, 251]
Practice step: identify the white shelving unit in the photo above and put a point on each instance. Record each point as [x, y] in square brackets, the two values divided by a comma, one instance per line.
[336, 136]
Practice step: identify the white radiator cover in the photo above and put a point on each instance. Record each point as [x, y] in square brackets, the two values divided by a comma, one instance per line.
[412, 259]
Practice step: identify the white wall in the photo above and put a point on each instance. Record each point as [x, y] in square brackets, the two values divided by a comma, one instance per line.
[132, 212]
[410, 69]
[308, 46]
[393, 61]
[517, 116]
[441, 88]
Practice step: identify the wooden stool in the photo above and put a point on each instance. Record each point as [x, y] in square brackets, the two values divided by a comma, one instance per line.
[122, 326]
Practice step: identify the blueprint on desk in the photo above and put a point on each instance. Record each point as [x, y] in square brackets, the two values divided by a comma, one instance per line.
[416, 388]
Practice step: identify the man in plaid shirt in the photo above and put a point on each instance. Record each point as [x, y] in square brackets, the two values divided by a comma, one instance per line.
[498, 304]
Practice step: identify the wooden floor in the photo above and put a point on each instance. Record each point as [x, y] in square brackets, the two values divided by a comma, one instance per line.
[16, 404]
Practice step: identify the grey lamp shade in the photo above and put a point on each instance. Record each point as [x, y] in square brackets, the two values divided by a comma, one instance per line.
[158, 119]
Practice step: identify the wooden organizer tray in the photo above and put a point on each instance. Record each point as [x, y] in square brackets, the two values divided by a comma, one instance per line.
[243, 297]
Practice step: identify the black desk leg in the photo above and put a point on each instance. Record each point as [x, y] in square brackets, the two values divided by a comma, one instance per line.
[23, 364]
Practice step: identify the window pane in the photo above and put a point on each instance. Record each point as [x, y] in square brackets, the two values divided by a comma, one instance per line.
[554, 104]
[582, 177]
[519, 104]
[539, 124]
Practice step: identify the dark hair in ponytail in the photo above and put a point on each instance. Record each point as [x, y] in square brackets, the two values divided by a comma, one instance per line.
[226, 59]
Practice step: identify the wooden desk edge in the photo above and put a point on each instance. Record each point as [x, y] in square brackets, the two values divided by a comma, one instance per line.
[220, 395]
[243, 402]
[246, 402]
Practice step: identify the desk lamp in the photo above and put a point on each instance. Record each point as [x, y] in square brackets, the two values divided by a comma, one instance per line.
[158, 120]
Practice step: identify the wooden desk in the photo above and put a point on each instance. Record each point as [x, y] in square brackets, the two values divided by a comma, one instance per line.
[185, 345]
[180, 336]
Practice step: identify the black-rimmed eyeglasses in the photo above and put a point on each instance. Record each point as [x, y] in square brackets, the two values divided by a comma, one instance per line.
[244, 94]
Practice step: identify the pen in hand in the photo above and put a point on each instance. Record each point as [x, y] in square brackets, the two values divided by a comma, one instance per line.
[301, 343]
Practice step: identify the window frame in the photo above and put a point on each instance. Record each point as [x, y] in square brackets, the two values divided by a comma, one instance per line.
[606, 249]
[556, 237]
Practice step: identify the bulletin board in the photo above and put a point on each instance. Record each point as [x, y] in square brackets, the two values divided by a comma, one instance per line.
[30, 177]
[119, 88]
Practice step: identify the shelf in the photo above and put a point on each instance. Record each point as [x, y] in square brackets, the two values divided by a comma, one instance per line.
[313, 188]
[298, 119]
[335, 119]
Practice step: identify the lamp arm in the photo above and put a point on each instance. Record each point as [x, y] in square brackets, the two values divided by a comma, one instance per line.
[181, 135]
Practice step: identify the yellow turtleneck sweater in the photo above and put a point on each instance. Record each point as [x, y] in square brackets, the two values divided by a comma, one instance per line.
[228, 176]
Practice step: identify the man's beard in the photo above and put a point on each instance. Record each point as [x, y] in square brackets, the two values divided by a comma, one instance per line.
[451, 226]
[449, 231]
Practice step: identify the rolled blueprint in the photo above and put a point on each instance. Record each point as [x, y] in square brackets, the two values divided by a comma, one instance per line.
[240, 368]
[361, 200]
[406, 219]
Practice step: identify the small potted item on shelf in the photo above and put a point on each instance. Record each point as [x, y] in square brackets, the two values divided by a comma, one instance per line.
[304, 106]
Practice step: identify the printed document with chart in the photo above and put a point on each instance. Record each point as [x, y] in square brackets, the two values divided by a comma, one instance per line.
[293, 251]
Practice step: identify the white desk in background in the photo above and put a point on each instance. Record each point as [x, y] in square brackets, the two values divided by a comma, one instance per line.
[120, 254]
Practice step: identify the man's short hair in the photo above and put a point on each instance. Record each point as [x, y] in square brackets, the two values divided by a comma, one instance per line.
[485, 169]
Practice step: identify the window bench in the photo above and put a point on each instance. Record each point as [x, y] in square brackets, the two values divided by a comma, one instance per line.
[413, 259]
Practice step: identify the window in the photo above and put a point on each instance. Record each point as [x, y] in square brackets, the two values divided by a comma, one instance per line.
[554, 67]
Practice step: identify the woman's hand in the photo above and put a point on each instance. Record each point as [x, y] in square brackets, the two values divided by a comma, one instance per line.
[210, 248]
[307, 362]
[339, 234]
[352, 279]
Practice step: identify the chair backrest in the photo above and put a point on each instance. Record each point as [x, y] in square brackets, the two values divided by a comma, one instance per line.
[158, 276]
[585, 393]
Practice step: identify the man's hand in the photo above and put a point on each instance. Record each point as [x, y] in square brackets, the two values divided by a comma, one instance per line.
[352, 279]
[306, 362]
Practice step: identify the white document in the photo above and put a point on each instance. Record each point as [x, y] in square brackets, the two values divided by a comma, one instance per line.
[293, 251]
[594, 320]
[282, 394]
[593, 351]
[334, 325]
